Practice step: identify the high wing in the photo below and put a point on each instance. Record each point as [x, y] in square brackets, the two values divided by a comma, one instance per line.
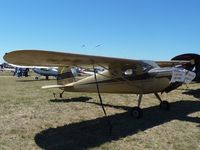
[59, 59]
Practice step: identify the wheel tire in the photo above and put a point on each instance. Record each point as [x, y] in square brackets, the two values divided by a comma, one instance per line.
[36, 78]
[164, 105]
[136, 112]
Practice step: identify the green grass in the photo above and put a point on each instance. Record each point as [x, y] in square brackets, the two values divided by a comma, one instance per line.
[30, 118]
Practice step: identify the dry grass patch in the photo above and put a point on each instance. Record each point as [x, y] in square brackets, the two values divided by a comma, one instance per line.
[31, 119]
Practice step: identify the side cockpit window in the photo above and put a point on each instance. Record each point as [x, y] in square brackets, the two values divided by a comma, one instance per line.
[139, 69]
[146, 67]
[129, 72]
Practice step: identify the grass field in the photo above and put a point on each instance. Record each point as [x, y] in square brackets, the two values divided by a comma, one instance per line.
[30, 118]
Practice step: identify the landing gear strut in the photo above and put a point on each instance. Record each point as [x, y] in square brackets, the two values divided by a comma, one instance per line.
[61, 94]
[137, 112]
[164, 105]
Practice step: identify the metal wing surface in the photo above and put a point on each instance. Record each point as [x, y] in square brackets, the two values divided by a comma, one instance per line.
[57, 59]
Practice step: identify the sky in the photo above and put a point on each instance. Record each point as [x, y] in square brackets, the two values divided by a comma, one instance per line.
[135, 29]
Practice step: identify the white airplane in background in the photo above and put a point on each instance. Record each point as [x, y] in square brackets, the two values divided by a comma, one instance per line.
[46, 72]
[53, 72]
[6, 67]
[40, 70]
[125, 76]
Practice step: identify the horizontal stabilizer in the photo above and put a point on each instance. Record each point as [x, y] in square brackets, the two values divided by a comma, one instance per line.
[53, 86]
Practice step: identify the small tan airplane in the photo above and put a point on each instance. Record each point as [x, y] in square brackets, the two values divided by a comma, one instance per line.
[125, 76]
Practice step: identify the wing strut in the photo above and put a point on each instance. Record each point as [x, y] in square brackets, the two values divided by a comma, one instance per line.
[99, 94]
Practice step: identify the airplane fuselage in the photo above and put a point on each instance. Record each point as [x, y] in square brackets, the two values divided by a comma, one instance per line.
[108, 83]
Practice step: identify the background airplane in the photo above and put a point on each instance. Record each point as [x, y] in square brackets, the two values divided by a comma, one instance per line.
[6, 67]
[46, 72]
[49, 71]
[21, 71]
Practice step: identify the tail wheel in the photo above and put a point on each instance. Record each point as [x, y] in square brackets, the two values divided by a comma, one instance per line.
[164, 105]
[137, 112]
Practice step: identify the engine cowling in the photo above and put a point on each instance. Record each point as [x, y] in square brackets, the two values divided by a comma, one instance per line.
[192, 67]
[195, 67]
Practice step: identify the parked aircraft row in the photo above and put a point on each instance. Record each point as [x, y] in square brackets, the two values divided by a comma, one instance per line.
[21, 71]
[47, 72]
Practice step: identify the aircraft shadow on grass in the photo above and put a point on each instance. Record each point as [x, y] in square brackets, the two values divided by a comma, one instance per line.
[95, 132]
[195, 93]
[33, 80]
[74, 99]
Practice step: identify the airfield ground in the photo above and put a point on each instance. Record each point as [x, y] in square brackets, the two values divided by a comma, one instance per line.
[30, 118]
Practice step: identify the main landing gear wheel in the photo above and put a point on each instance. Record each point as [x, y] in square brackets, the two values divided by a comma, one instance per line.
[137, 112]
[164, 105]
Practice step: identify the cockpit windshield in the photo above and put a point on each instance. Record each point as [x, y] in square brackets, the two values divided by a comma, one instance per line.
[139, 69]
